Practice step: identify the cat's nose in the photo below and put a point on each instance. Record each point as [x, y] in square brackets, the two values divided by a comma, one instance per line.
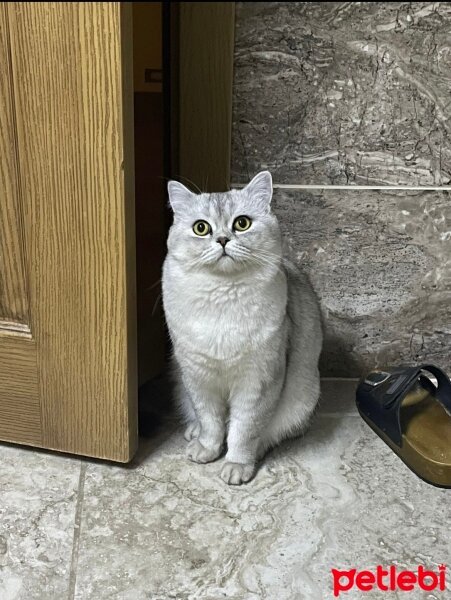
[223, 240]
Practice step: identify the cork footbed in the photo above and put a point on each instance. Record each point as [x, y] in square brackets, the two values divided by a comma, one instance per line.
[426, 437]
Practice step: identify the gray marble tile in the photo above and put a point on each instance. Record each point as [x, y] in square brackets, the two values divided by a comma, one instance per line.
[380, 262]
[343, 92]
[169, 529]
[37, 509]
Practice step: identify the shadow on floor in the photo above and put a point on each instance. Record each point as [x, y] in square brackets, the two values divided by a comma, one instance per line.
[158, 418]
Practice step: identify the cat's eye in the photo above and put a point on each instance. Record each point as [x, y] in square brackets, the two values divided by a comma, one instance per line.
[201, 228]
[242, 223]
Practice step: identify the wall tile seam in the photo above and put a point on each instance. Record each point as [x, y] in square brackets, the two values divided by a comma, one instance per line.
[293, 186]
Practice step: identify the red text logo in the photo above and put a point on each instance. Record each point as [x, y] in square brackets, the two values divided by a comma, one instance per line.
[389, 580]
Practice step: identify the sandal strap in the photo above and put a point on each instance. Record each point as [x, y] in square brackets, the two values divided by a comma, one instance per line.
[443, 391]
[381, 402]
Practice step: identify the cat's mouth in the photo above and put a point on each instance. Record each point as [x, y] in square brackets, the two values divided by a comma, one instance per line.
[225, 255]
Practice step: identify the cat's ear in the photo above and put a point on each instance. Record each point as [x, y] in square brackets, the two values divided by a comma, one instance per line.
[179, 196]
[260, 188]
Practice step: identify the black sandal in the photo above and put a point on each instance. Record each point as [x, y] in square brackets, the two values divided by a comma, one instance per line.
[412, 416]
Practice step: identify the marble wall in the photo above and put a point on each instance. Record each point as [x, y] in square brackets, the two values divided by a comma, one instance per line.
[380, 261]
[356, 93]
[343, 92]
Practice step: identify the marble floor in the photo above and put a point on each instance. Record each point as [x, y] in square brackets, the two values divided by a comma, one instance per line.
[162, 528]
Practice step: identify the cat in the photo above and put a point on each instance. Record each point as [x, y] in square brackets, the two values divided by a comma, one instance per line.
[245, 326]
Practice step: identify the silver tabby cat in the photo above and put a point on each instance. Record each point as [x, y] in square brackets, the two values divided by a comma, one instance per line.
[244, 323]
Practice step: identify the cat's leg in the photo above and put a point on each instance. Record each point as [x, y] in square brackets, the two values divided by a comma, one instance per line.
[251, 408]
[185, 406]
[192, 430]
[207, 441]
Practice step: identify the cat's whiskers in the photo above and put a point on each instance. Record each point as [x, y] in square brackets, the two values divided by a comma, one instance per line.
[157, 301]
[268, 254]
[255, 257]
[157, 282]
[266, 258]
[206, 257]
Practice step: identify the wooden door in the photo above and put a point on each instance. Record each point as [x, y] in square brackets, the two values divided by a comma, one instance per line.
[67, 281]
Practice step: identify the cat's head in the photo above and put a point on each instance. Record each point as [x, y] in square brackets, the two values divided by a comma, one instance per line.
[225, 232]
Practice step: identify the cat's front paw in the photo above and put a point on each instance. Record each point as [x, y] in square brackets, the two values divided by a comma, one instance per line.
[197, 452]
[192, 431]
[236, 473]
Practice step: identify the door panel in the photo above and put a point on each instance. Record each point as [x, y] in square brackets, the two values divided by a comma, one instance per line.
[13, 294]
[72, 99]
[20, 412]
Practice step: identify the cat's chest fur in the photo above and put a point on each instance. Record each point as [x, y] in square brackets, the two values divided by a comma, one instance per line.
[223, 318]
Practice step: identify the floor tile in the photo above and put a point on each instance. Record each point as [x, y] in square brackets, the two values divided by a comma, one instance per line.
[38, 494]
[338, 397]
[165, 528]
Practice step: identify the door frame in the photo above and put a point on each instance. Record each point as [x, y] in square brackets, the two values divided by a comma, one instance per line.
[202, 38]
